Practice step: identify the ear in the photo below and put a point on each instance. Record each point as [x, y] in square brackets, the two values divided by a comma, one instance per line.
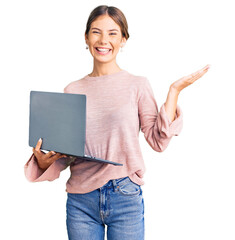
[86, 39]
[123, 42]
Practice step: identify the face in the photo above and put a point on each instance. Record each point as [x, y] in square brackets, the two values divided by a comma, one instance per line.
[104, 39]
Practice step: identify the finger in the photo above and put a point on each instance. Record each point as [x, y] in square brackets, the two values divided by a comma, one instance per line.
[36, 153]
[207, 66]
[196, 77]
[204, 69]
[198, 74]
[57, 156]
[39, 144]
[51, 153]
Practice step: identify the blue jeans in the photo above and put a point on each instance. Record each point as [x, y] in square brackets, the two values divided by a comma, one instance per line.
[119, 204]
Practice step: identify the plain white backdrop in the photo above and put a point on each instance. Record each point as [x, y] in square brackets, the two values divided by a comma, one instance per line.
[189, 188]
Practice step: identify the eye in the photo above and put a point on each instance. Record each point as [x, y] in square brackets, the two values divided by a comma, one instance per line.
[113, 33]
[95, 32]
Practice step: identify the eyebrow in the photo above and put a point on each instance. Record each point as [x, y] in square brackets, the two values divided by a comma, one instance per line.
[108, 30]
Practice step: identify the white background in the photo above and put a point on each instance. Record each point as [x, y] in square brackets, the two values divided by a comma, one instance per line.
[189, 188]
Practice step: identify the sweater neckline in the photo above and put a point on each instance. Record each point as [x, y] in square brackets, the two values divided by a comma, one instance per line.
[107, 76]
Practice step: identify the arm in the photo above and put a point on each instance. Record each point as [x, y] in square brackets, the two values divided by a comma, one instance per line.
[156, 125]
[171, 103]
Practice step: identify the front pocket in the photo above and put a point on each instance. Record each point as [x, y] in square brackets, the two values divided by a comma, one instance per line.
[129, 188]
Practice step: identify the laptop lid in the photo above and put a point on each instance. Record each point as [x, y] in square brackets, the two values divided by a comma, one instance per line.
[60, 120]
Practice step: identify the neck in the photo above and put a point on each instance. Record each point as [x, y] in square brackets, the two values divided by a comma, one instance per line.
[100, 69]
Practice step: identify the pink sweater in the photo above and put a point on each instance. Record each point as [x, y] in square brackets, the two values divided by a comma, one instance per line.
[118, 106]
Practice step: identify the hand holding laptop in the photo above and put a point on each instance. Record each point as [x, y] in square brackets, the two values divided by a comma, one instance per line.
[45, 159]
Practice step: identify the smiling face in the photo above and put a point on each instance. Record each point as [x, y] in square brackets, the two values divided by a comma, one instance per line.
[104, 39]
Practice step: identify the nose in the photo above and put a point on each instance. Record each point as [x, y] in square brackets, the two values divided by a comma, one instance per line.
[103, 39]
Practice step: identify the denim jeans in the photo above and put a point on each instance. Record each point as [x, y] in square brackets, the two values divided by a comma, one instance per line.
[119, 204]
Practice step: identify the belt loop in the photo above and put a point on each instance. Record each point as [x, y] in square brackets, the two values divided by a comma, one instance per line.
[114, 185]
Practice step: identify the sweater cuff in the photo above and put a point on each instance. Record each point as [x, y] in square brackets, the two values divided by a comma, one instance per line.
[32, 170]
[170, 128]
[35, 174]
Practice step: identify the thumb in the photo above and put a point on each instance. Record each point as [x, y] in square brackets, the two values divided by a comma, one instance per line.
[39, 144]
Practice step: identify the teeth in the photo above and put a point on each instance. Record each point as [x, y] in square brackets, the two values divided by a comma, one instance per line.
[102, 50]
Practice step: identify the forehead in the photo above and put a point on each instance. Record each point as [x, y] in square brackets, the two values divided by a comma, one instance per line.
[105, 22]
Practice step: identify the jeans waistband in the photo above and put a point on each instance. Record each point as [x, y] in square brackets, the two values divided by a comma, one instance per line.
[114, 182]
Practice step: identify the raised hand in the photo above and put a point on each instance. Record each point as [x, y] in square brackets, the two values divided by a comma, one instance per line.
[177, 86]
[184, 82]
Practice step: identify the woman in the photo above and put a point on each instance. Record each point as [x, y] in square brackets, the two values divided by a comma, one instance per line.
[119, 104]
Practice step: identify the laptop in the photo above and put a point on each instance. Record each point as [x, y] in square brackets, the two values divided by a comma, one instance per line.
[60, 120]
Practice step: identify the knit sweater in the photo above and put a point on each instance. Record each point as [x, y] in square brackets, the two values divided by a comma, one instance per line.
[119, 105]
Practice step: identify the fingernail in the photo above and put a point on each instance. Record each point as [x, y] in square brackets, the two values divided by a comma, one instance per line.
[40, 139]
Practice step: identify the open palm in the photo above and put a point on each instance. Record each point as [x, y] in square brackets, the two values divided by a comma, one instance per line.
[188, 80]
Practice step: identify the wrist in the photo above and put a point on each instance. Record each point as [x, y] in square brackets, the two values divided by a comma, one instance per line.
[174, 91]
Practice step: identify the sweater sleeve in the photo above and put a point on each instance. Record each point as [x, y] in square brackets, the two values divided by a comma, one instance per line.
[35, 174]
[156, 126]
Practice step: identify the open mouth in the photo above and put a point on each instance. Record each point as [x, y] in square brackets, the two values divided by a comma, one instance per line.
[103, 51]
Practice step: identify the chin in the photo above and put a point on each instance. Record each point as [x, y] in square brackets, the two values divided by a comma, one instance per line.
[107, 60]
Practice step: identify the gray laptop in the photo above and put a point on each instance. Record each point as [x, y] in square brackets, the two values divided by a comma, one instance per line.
[60, 120]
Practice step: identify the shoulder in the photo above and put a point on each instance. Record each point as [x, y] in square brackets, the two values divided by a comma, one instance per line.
[139, 80]
[73, 85]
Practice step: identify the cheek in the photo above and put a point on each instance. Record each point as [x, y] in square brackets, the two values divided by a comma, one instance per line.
[91, 42]
[117, 44]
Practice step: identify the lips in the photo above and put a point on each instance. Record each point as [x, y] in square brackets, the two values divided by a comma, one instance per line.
[102, 50]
